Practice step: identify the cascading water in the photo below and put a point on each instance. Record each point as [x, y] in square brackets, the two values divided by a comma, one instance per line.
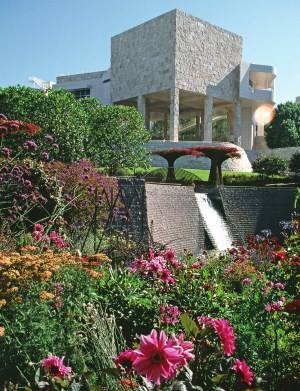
[214, 223]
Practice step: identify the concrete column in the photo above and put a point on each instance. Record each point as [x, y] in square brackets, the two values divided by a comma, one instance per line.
[147, 119]
[202, 125]
[141, 105]
[174, 114]
[198, 126]
[230, 120]
[247, 129]
[237, 123]
[208, 113]
[165, 126]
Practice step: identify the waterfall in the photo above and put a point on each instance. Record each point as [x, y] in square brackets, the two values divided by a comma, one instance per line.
[214, 223]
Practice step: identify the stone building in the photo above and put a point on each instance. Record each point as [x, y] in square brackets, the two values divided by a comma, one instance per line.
[177, 66]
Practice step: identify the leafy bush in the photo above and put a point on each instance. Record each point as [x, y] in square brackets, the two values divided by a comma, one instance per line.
[295, 163]
[270, 165]
[284, 130]
[57, 112]
[117, 136]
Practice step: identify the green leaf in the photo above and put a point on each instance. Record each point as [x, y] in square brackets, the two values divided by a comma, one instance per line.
[218, 378]
[189, 325]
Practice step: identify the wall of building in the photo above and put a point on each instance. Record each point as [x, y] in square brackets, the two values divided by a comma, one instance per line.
[143, 58]
[207, 58]
[95, 81]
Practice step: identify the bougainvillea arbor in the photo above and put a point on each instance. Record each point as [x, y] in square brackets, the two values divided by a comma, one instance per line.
[217, 155]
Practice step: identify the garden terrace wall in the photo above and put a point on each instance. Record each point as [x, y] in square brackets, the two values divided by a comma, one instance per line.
[133, 195]
[173, 217]
[250, 209]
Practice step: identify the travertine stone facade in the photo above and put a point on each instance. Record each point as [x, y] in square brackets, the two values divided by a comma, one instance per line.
[143, 58]
[207, 58]
[176, 49]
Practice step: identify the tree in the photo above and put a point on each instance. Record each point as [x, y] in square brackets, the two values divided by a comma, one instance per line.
[117, 136]
[58, 114]
[284, 130]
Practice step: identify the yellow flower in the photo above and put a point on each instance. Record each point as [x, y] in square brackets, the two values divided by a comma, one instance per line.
[44, 295]
[2, 331]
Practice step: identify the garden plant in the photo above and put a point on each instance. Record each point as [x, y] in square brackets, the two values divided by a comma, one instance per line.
[80, 312]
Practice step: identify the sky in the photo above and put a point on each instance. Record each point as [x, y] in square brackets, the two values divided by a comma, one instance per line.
[47, 38]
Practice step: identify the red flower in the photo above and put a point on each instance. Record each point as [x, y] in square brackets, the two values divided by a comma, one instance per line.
[293, 306]
[125, 360]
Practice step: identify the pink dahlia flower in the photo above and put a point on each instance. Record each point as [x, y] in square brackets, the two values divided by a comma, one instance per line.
[55, 367]
[224, 330]
[126, 359]
[187, 348]
[156, 357]
[242, 368]
[225, 333]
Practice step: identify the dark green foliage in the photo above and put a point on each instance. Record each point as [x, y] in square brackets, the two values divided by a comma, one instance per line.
[117, 136]
[295, 162]
[270, 165]
[57, 112]
[284, 130]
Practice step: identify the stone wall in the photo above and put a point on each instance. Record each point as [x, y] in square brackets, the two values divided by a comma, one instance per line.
[207, 58]
[133, 196]
[173, 217]
[251, 209]
[143, 58]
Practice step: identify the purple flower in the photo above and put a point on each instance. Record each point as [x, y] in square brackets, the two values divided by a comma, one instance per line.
[6, 152]
[45, 155]
[55, 146]
[48, 137]
[30, 145]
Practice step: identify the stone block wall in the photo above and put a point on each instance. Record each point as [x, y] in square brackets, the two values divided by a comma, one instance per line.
[173, 217]
[207, 58]
[250, 209]
[143, 58]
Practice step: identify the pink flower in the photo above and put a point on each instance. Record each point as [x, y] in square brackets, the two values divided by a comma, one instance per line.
[156, 358]
[166, 277]
[186, 346]
[57, 240]
[30, 145]
[224, 330]
[225, 333]
[246, 281]
[279, 285]
[55, 367]
[169, 254]
[169, 314]
[125, 360]
[37, 233]
[242, 368]
[277, 306]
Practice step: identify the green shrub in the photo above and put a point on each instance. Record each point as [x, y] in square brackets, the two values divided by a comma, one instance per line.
[117, 136]
[295, 163]
[284, 130]
[58, 114]
[270, 165]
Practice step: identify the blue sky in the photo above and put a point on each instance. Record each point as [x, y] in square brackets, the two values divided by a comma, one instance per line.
[46, 38]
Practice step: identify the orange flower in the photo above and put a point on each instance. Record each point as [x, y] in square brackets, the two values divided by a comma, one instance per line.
[19, 299]
[93, 273]
[2, 303]
[2, 331]
[44, 295]
[46, 275]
